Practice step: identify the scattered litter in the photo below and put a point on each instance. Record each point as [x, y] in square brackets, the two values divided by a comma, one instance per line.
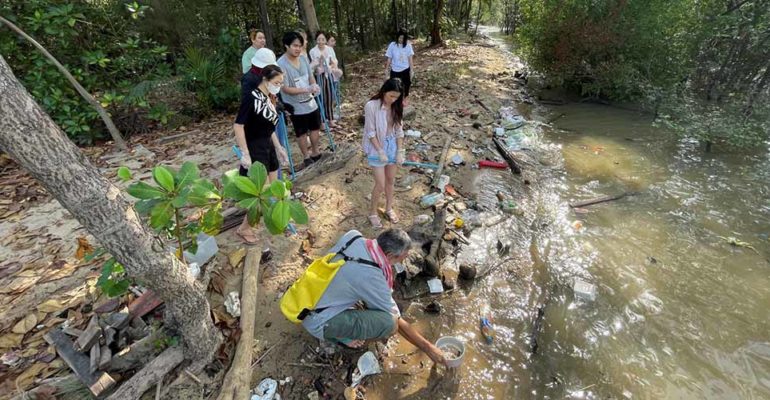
[485, 324]
[233, 304]
[399, 268]
[435, 286]
[367, 365]
[195, 270]
[207, 248]
[457, 159]
[493, 164]
[577, 225]
[266, 390]
[450, 190]
[459, 223]
[284, 381]
[584, 290]
[500, 131]
[422, 148]
[431, 199]
[443, 180]
[433, 308]
[422, 219]
[313, 395]
[12, 359]
[513, 122]
[478, 151]
[413, 134]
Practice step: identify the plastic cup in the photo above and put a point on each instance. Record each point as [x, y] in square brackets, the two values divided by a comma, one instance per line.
[454, 343]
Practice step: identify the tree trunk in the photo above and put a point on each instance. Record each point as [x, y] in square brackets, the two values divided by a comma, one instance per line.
[264, 16]
[30, 137]
[80, 89]
[394, 7]
[310, 17]
[435, 31]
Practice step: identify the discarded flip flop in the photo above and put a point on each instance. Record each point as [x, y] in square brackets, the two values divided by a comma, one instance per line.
[392, 216]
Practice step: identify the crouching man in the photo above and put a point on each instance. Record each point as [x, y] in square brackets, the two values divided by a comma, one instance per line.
[358, 304]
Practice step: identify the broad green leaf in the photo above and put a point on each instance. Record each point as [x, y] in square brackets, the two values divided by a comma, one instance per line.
[278, 189]
[228, 176]
[97, 253]
[143, 207]
[212, 221]
[114, 288]
[258, 174]
[280, 214]
[181, 198]
[289, 183]
[253, 215]
[106, 271]
[124, 174]
[248, 203]
[270, 224]
[245, 185]
[161, 214]
[203, 192]
[297, 211]
[231, 191]
[187, 174]
[143, 191]
[163, 177]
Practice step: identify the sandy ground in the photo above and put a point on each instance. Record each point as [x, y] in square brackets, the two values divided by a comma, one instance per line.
[40, 273]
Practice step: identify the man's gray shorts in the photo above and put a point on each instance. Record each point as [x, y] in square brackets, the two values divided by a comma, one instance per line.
[360, 325]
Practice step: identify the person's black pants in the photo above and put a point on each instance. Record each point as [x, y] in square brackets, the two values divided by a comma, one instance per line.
[406, 79]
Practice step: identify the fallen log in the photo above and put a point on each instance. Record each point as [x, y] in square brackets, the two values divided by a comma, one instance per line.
[137, 354]
[150, 375]
[329, 163]
[515, 168]
[441, 163]
[238, 379]
[90, 336]
[597, 200]
[98, 383]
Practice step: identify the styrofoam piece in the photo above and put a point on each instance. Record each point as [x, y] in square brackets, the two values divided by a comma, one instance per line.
[207, 248]
[584, 290]
[435, 286]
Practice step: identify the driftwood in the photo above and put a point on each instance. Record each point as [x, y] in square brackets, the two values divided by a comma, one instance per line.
[238, 379]
[441, 162]
[137, 354]
[432, 261]
[46, 386]
[98, 383]
[90, 336]
[515, 168]
[147, 302]
[330, 162]
[597, 200]
[150, 375]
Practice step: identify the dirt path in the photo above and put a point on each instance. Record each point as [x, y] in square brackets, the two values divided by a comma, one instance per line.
[457, 87]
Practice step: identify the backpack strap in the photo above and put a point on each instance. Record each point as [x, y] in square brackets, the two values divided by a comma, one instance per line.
[355, 259]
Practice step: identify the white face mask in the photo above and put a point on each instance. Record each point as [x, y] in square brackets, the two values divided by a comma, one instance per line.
[273, 89]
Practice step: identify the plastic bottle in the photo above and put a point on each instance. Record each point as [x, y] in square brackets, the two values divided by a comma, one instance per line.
[485, 324]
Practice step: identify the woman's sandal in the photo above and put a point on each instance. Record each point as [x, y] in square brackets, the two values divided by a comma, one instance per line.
[375, 221]
[248, 238]
[392, 217]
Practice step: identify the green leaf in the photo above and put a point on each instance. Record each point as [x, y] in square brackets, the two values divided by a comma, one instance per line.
[228, 176]
[231, 191]
[143, 207]
[161, 214]
[297, 211]
[106, 271]
[115, 288]
[280, 214]
[143, 191]
[278, 189]
[181, 198]
[258, 174]
[203, 192]
[270, 224]
[248, 203]
[97, 253]
[289, 183]
[253, 215]
[245, 185]
[124, 174]
[212, 220]
[187, 174]
[163, 177]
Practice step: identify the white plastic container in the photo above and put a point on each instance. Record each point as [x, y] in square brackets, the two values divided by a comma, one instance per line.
[207, 248]
[584, 290]
[454, 344]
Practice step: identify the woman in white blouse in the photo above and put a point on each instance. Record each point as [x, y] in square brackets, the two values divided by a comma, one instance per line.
[323, 61]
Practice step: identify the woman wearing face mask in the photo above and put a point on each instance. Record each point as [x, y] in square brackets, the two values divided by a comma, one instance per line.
[383, 145]
[258, 41]
[255, 134]
[324, 61]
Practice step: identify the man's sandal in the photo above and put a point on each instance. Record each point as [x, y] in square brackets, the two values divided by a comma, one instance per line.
[375, 221]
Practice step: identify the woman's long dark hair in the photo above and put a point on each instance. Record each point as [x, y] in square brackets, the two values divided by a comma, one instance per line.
[400, 33]
[397, 108]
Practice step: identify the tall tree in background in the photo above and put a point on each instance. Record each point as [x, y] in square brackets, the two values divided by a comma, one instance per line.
[31, 138]
[265, 18]
[310, 18]
[435, 31]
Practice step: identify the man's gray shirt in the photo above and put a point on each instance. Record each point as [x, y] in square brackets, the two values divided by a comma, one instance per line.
[353, 282]
[297, 77]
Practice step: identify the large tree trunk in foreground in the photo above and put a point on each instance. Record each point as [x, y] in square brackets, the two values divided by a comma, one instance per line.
[435, 31]
[35, 142]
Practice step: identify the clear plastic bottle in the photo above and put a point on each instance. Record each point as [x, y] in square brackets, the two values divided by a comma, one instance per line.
[485, 324]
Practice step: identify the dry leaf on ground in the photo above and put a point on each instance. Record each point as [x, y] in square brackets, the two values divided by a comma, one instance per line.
[25, 325]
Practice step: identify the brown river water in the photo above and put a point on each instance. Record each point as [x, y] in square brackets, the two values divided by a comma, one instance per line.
[679, 312]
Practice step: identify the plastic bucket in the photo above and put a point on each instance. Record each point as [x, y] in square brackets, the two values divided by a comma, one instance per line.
[452, 344]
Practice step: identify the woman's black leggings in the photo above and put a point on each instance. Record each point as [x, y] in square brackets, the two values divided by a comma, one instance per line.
[406, 79]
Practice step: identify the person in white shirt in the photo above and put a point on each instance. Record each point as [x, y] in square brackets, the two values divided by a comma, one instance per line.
[323, 62]
[400, 64]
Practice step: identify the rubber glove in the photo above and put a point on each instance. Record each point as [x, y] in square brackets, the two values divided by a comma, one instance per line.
[400, 157]
[383, 156]
[283, 158]
[245, 160]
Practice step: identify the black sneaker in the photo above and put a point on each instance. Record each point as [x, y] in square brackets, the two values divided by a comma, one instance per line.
[318, 157]
[308, 162]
